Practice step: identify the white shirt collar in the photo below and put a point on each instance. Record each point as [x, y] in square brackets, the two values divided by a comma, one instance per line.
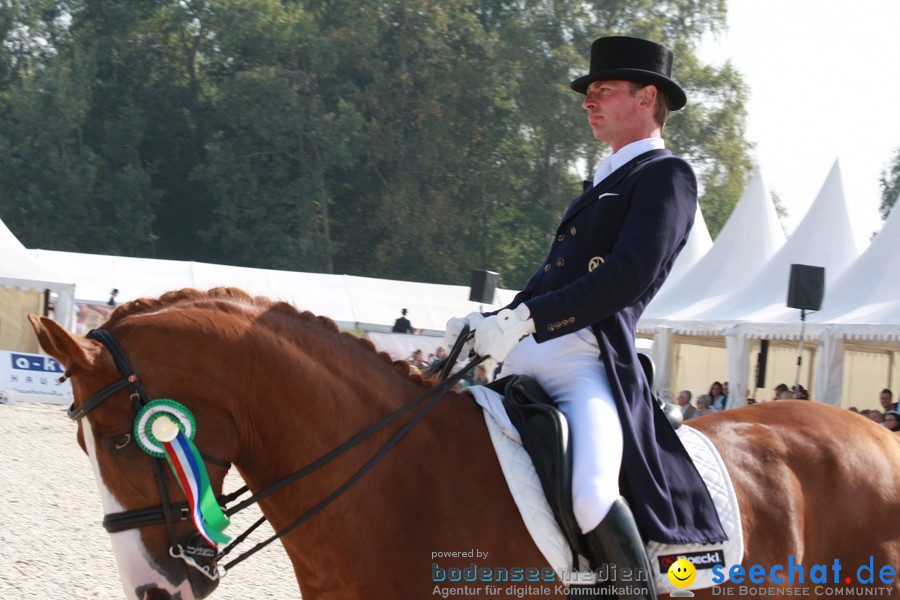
[625, 154]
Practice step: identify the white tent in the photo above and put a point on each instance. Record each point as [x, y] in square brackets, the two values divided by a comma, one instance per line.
[23, 284]
[750, 238]
[756, 309]
[863, 304]
[823, 238]
[746, 243]
[357, 302]
[867, 293]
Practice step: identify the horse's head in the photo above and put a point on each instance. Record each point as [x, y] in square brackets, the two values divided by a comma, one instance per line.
[130, 479]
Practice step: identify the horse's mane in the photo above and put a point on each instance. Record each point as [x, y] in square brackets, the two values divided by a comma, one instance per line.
[224, 296]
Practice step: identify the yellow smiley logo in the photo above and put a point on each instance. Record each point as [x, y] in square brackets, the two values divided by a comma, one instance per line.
[682, 573]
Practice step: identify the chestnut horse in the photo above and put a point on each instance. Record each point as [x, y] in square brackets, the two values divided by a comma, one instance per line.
[273, 389]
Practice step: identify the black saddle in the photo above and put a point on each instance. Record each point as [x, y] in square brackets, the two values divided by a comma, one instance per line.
[545, 436]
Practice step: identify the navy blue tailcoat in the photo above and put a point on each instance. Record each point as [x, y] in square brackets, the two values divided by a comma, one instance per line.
[612, 252]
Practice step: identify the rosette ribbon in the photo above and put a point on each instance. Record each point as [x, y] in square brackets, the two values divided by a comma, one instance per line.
[165, 428]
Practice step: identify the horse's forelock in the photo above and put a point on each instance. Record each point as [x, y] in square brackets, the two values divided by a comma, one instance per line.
[235, 297]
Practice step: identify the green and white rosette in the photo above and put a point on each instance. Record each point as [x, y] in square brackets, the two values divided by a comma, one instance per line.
[168, 410]
[166, 428]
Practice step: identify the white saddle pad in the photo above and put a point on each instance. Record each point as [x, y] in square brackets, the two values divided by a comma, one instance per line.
[541, 524]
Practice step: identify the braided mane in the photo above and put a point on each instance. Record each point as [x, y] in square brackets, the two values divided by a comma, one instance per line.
[238, 297]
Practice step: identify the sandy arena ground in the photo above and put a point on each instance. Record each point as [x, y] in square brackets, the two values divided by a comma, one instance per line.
[51, 541]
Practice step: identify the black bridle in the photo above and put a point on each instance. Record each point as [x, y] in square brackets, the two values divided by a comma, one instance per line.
[171, 513]
[168, 512]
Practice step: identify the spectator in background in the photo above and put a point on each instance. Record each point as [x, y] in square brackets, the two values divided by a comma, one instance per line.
[892, 420]
[417, 359]
[704, 405]
[688, 410]
[439, 355]
[717, 395]
[875, 415]
[402, 324]
[112, 297]
[887, 400]
[479, 376]
[800, 393]
[782, 392]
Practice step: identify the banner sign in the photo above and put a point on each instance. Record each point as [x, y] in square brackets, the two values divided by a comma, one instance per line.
[32, 378]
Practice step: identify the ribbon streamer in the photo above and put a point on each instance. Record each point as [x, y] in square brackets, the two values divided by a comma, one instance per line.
[187, 464]
[165, 428]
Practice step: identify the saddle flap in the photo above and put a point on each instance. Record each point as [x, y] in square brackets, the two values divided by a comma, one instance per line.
[545, 436]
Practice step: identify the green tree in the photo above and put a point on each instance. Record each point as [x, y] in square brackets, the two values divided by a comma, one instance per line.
[391, 138]
[711, 134]
[62, 194]
[890, 184]
[279, 137]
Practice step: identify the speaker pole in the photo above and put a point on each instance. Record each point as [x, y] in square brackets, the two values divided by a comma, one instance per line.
[800, 352]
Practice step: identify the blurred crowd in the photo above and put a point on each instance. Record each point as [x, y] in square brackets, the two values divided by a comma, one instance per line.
[888, 416]
[716, 399]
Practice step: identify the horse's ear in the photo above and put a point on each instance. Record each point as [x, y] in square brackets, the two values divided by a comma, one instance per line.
[62, 345]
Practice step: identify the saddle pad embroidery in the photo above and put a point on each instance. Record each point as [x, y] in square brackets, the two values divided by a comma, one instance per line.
[704, 556]
[539, 520]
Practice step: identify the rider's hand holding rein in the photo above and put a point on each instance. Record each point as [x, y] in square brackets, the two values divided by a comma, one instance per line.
[455, 326]
[498, 334]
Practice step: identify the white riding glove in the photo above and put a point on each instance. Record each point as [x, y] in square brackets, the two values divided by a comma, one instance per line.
[499, 334]
[454, 328]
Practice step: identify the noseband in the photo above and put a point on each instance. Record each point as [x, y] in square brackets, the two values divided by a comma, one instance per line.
[171, 513]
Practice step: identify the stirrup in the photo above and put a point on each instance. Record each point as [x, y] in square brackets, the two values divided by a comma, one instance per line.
[616, 542]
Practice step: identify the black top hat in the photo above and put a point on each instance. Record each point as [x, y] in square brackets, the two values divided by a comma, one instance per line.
[632, 59]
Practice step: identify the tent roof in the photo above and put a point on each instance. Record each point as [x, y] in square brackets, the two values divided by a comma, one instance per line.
[864, 301]
[19, 269]
[871, 281]
[749, 239]
[823, 238]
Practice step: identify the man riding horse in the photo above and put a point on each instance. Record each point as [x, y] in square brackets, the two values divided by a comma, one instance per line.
[610, 254]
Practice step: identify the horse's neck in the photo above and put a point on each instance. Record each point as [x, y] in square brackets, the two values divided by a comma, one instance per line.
[439, 485]
[307, 410]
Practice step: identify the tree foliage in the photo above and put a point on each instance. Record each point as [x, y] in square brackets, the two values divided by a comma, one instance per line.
[890, 185]
[405, 139]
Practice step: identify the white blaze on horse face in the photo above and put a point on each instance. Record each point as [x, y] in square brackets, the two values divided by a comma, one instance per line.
[136, 567]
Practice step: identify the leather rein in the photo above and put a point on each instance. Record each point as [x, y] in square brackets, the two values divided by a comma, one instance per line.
[174, 512]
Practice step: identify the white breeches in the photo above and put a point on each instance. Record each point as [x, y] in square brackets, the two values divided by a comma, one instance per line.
[569, 370]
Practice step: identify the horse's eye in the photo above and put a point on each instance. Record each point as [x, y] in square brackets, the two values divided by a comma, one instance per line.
[121, 441]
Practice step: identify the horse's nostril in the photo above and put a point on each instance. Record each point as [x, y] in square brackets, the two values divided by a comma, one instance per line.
[153, 593]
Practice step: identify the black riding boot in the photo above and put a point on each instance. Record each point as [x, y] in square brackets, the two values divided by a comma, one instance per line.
[616, 541]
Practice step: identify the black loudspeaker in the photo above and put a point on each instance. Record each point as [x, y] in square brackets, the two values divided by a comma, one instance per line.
[807, 287]
[761, 359]
[482, 287]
